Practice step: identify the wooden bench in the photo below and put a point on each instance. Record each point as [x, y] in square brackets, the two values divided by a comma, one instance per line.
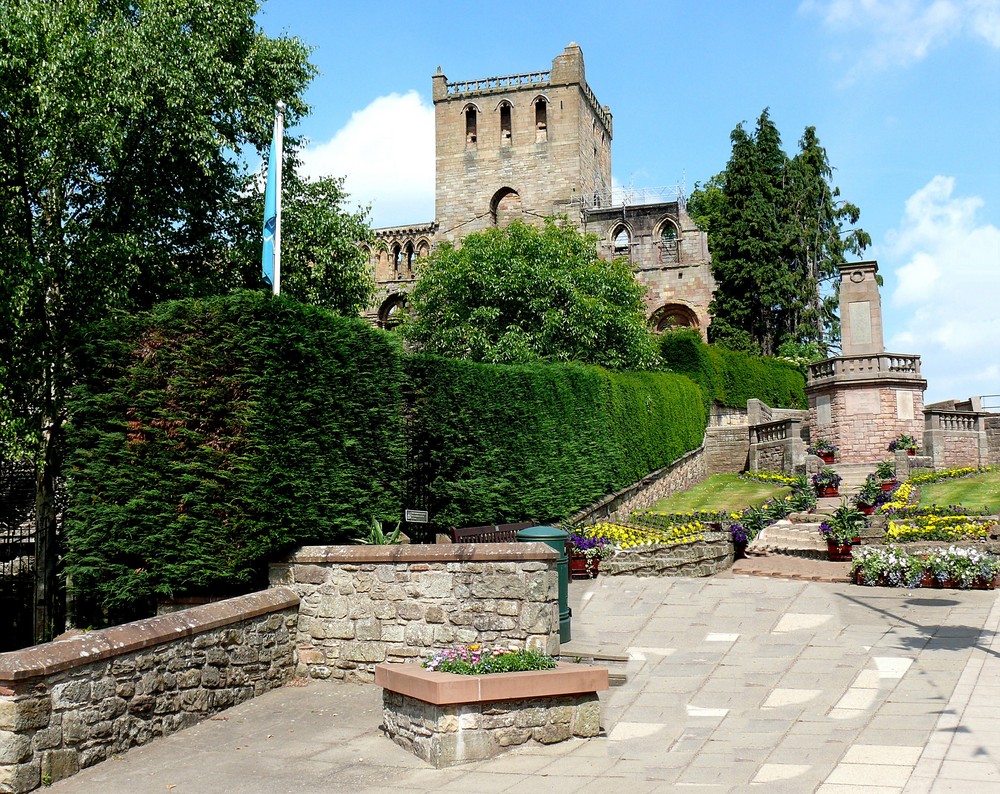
[491, 533]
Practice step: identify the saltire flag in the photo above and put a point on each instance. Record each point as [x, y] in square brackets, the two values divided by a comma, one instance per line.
[270, 213]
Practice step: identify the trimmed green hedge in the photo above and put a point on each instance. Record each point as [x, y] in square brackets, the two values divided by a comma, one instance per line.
[494, 444]
[732, 378]
[208, 435]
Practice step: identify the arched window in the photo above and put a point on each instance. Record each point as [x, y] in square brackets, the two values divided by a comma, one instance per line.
[505, 125]
[397, 259]
[505, 207]
[621, 241]
[668, 243]
[409, 257]
[673, 315]
[423, 249]
[541, 119]
[391, 311]
[471, 124]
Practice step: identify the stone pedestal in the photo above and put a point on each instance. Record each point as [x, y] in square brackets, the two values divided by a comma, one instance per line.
[865, 398]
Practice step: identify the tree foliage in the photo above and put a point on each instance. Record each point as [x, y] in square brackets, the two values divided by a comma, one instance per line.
[776, 231]
[524, 293]
[323, 259]
[121, 130]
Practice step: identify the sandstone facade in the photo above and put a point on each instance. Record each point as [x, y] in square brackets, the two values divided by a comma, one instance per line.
[533, 145]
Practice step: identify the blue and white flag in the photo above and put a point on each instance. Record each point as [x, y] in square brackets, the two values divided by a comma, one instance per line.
[270, 214]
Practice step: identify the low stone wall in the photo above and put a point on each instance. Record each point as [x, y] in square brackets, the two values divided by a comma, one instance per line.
[361, 605]
[727, 449]
[680, 475]
[446, 735]
[69, 704]
[705, 557]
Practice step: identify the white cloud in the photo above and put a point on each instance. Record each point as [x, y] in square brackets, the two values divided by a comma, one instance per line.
[903, 32]
[947, 287]
[386, 153]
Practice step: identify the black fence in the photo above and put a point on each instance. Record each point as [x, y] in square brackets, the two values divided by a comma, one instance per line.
[17, 554]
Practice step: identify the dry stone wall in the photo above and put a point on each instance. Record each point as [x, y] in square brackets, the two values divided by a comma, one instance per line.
[683, 473]
[361, 605]
[69, 704]
[705, 557]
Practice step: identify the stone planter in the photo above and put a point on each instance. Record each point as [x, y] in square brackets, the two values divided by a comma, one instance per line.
[447, 719]
[580, 567]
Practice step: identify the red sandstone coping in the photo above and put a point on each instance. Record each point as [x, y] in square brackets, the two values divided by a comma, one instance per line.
[94, 646]
[443, 552]
[442, 689]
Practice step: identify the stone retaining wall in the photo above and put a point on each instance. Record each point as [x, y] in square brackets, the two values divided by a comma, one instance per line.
[69, 704]
[683, 473]
[361, 605]
[705, 557]
[446, 735]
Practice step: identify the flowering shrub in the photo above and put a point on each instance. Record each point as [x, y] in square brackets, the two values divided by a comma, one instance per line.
[826, 478]
[902, 441]
[739, 534]
[625, 536]
[480, 660]
[824, 445]
[937, 527]
[964, 567]
[770, 476]
[886, 470]
[590, 546]
[844, 525]
[899, 498]
[948, 474]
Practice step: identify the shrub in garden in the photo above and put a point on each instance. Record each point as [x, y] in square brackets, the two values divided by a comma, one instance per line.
[731, 378]
[208, 435]
[496, 443]
[481, 660]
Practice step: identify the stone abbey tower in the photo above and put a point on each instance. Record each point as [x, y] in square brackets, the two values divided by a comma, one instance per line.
[533, 145]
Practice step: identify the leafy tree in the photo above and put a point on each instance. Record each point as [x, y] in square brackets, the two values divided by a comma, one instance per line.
[524, 293]
[776, 232]
[121, 130]
[322, 258]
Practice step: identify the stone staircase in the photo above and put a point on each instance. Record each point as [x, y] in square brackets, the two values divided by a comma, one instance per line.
[798, 535]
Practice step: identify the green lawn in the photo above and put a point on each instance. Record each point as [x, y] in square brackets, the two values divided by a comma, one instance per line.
[975, 492]
[721, 492]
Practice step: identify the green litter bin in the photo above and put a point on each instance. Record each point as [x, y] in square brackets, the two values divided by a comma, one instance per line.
[556, 538]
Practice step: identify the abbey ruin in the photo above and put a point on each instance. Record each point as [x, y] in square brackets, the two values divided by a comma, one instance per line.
[534, 145]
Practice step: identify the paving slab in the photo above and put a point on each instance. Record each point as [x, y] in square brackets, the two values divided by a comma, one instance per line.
[735, 683]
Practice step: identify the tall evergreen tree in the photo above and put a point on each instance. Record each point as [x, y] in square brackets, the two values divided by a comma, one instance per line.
[121, 129]
[776, 232]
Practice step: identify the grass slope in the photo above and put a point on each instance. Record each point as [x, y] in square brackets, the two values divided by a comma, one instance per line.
[973, 492]
[721, 492]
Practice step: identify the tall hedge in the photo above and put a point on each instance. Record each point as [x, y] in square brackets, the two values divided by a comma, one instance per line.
[207, 435]
[501, 443]
[732, 378]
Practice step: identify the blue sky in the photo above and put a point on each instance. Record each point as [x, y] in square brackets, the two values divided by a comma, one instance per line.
[904, 94]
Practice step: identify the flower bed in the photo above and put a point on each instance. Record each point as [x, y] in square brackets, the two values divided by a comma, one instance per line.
[955, 566]
[947, 528]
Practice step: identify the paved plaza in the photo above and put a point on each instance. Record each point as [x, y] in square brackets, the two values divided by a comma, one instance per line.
[735, 683]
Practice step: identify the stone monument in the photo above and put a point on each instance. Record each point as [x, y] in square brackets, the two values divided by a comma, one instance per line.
[865, 397]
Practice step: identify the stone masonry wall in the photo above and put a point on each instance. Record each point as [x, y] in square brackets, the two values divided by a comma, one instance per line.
[726, 449]
[361, 605]
[683, 473]
[69, 704]
[864, 420]
[957, 450]
[705, 557]
[446, 735]
[993, 440]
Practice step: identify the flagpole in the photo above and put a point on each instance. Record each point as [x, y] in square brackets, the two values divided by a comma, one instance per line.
[279, 134]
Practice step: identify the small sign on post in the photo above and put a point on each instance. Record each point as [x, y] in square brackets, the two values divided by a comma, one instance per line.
[417, 516]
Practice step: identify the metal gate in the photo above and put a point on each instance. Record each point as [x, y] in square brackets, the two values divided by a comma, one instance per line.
[17, 554]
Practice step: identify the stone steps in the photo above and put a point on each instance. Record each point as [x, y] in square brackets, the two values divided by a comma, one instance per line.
[798, 539]
[580, 653]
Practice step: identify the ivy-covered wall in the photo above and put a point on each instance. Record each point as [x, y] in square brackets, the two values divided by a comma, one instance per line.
[731, 378]
[208, 435]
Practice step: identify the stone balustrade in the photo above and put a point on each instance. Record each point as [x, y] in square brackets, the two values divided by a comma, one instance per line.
[68, 704]
[896, 365]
